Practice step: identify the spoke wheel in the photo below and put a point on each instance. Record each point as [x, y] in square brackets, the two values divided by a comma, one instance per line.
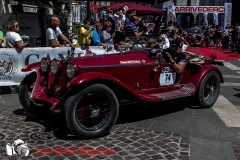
[92, 112]
[209, 90]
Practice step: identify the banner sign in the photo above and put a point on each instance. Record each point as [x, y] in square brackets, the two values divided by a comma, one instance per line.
[199, 9]
[13, 60]
[228, 15]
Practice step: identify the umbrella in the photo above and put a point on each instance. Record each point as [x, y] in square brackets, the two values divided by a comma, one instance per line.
[138, 7]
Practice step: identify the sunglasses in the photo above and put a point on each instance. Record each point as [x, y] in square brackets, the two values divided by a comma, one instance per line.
[16, 25]
[135, 19]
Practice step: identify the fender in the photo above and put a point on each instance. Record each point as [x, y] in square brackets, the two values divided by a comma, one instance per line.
[197, 78]
[31, 67]
[86, 77]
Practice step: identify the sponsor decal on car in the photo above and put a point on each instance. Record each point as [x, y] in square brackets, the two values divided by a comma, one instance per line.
[130, 61]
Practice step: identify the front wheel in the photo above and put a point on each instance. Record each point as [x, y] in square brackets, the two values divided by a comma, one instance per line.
[209, 90]
[92, 112]
[25, 90]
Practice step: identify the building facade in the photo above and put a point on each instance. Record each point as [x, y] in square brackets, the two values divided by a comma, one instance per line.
[198, 18]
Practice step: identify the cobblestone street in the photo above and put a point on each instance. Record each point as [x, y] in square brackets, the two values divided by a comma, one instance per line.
[49, 138]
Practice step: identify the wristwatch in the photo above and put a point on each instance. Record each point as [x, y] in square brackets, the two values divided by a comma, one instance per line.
[173, 62]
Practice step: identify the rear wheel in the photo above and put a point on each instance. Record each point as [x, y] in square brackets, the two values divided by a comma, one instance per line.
[92, 112]
[209, 90]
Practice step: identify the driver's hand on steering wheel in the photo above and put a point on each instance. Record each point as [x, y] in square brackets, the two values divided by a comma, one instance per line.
[169, 56]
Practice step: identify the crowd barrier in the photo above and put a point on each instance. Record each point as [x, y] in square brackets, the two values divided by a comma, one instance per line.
[13, 60]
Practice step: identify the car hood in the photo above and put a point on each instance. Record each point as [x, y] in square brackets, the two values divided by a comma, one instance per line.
[131, 57]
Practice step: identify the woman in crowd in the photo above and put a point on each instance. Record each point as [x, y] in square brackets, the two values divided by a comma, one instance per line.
[13, 39]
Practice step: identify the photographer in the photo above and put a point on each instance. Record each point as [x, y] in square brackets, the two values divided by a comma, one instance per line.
[175, 57]
[85, 35]
[97, 35]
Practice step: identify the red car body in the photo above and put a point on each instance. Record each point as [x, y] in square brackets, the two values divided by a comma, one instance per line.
[133, 75]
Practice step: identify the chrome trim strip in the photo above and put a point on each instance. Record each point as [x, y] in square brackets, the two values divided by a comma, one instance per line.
[121, 65]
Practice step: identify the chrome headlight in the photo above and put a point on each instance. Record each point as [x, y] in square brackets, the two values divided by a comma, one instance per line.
[54, 66]
[70, 70]
[44, 65]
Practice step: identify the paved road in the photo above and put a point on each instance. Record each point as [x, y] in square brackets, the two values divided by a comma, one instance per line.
[169, 130]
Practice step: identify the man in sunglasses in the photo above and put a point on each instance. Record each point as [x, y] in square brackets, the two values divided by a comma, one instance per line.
[54, 32]
[132, 31]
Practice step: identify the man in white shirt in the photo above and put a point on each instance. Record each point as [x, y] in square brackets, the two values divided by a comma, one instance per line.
[54, 32]
[13, 39]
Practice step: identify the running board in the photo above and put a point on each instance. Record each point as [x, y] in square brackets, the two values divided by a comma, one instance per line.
[186, 91]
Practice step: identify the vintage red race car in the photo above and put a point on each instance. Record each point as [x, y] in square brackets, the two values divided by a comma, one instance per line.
[89, 90]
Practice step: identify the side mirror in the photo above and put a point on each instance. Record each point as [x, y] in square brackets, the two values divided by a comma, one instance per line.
[153, 53]
[213, 57]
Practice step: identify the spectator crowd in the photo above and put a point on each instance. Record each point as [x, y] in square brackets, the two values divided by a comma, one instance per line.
[118, 28]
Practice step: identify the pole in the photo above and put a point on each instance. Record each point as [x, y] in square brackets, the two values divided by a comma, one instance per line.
[88, 9]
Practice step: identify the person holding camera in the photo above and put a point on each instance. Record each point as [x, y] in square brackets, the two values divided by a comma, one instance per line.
[97, 35]
[13, 39]
[175, 57]
[85, 34]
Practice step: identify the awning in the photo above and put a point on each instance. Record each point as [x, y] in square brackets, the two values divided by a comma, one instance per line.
[45, 5]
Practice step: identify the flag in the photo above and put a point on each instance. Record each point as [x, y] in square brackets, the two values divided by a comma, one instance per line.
[171, 14]
[125, 8]
[205, 15]
[87, 52]
[228, 15]
[118, 26]
[215, 15]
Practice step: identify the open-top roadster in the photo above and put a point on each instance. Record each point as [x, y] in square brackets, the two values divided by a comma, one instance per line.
[89, 90]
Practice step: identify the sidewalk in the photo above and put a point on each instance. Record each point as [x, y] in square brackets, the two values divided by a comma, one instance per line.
[48, 137]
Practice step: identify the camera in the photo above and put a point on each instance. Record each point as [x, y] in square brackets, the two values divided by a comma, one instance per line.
[164, 55]
[18, 147]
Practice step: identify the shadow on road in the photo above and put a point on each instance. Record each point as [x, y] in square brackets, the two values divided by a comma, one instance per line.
[147, 110]
[55, 123]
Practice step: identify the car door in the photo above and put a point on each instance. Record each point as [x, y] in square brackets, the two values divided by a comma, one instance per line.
[160, 75]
